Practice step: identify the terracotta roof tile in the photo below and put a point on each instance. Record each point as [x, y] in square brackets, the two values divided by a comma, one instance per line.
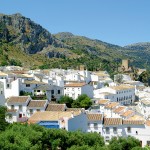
[75, 85]
[73, 109]
[112, 121]
[95, 117]
[56, 107]
[103, 101]
[50, 116]
[37, 103]
[111, 105]
[122, 87]
[147, 122]
[134, 122]
[127, 113]
[17, 99]
[119, 109]
[11, 110]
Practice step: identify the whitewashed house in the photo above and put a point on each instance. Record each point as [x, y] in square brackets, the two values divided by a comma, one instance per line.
[52, 92]
[18, 104]
[144, 106]
[123, 94]
[71, 121]
[29, 85]
[36, 106]
[112, 127]
[95, 122]
[2, 97]
[76, 89]
[10, 87]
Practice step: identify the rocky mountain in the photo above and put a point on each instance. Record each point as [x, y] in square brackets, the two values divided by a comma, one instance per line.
[139, 46]
[23, 41]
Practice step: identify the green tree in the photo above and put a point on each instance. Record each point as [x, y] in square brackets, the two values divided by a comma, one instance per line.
[83, 101]
[66, 100]
[3, 123]
[118, 78]
[123, 143]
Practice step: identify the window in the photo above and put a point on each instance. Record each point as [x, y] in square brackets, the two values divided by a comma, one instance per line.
[38, 110]
[20, 107]
[107, 129]
[38, 90]
[95, 125]
[8, 86]
[88, 125]
[58, 91]
[27, 85]
[12, 106]
[31, 111]
[148, 143]
[136, 132]
[115, 129]
[1, 92]
[52, 92]
[129, 129]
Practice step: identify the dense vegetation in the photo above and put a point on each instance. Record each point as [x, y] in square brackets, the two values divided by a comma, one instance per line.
[145, 78]
[34, 137]
[83, 101]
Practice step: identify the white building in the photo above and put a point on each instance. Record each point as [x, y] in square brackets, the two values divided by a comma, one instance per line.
[18, 104]
[144, 106]
[2, 97]
[123, 94]
[71, 121]
[36, 106]
[76, 89]
[95, 122]
[52, 92]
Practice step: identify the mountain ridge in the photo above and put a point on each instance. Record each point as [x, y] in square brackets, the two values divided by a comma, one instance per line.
[32, 40]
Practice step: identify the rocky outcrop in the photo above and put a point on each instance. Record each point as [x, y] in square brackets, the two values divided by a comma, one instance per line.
[29, 36]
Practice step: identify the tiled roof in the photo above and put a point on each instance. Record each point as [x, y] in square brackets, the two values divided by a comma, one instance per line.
[112, 121]
[136, 117]
[44, 87]
[120, 108]
[17, 99]
[147, 122]
[95, 117]
[50, 116]
[127, 113]
[37, 103]
[11, 110]
[73, 109]
[122, 87]
[107, 93]
[111, 105]
[56, 107]
[145, 102]
[75, 85]
[103, 101]
[32, 82]
[3, 74]
[134, 122]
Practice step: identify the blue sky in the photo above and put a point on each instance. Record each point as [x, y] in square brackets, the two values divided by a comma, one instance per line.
[119, 22]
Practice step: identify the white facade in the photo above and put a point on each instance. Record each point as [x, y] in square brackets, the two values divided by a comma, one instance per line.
[123, 95]
[73, 90]
[2, 97]
[11, 87]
